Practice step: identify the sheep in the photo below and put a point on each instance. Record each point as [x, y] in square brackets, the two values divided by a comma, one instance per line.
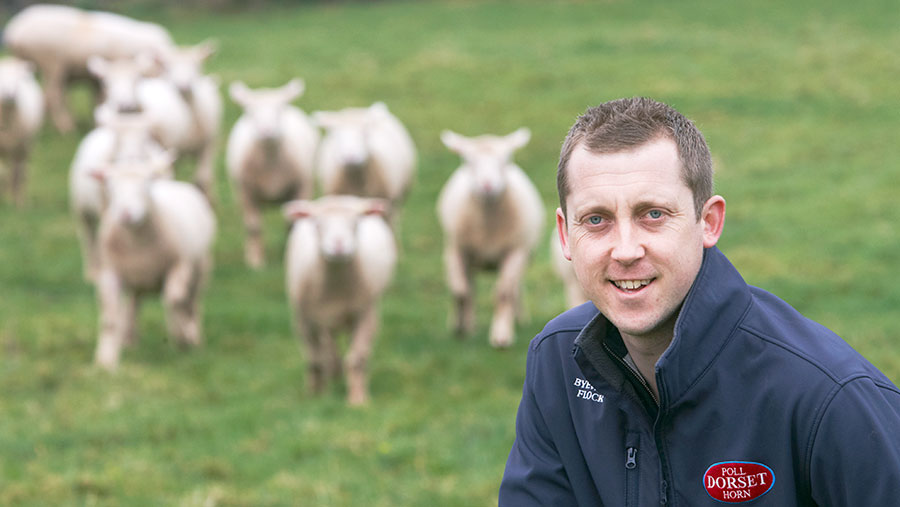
[117, 137]
[563, 267]
[365, 152]
[183, 105]
[270, 155]
[155, 235]
[60, 40]
[21, 115]
[491, 215]
[339, 260]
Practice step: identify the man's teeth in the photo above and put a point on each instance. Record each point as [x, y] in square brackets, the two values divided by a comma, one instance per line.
[631, 284]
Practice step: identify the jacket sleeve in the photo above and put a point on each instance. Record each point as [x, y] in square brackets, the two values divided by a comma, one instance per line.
[855, 458]
[534, 472]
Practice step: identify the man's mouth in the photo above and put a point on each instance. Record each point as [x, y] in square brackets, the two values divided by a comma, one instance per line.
[631, 285]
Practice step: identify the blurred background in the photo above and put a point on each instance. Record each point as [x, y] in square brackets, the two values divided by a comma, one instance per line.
[799, 103]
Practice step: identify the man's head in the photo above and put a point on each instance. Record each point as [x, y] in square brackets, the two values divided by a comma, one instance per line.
[637, 221]
[623, 124]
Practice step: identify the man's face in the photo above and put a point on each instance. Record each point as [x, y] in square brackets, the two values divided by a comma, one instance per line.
[633, 235]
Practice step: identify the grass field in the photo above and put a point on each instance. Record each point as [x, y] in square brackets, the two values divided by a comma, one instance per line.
[798, 100]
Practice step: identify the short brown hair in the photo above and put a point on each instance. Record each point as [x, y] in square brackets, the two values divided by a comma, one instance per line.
[623, 124]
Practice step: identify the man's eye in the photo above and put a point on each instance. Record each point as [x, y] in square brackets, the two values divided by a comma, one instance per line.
[655, 214]
[595, 220]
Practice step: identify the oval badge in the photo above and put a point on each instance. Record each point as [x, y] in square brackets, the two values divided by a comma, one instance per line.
[738, 481]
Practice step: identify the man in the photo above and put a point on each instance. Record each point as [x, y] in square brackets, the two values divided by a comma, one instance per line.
[688, 387]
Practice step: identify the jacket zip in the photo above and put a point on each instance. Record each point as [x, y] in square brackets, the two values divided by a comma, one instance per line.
[636, 374]
[664, 485]
[631, 472]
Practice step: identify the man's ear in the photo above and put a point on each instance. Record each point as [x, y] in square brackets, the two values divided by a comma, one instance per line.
[563, 232]
[713, 218]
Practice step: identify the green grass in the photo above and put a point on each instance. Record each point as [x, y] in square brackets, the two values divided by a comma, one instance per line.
[798, 101]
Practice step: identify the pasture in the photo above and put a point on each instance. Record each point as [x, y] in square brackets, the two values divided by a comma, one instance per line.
[798, 101]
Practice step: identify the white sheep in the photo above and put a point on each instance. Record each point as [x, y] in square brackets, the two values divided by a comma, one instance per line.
[340, 258]
[270, 155]
[183, 105]
[117, 138]
[492, 216]
[155, 235]
[365, 152]
[60, 40]
[563, 267]
[21, 115]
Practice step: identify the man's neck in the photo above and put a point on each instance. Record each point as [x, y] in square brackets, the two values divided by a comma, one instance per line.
[645, 351]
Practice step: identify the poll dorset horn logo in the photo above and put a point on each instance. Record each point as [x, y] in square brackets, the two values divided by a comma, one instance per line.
[738, 481]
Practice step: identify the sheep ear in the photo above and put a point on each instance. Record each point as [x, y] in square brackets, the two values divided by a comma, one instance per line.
[206, 49]
[149, 63]
[97, 65]
[162, 164]
[519, 138]
[99, 173]
[293, 89]
[239, 93]
[324, 119]
[379, 109]
[380, 207]
[455, 142]
[297, 209]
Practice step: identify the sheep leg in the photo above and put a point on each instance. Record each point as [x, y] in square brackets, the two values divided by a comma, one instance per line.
[254, 250]
[178, 299]
[357, 362]
[109, 341]
[316, 365]
[203, 177]
[55, 95]
[459, 277]
[129, 318]
[506, 298]
[17, 178]
[87, 236]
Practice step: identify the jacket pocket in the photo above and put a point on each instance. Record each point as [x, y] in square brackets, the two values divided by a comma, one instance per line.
[631, 469]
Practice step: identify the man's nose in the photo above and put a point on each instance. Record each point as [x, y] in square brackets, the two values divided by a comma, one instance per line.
[628, 246]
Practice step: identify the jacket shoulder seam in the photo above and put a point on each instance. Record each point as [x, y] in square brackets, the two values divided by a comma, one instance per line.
[539, 339]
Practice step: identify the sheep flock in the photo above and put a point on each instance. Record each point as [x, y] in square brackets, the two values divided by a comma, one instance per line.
[339, 178]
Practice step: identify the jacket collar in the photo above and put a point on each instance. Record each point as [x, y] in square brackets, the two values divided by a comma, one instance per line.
[711, 311]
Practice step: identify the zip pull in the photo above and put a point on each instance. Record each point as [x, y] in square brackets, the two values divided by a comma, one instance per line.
[631, 460]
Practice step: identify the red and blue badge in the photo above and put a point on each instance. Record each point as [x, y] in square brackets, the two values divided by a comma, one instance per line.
[738, 481]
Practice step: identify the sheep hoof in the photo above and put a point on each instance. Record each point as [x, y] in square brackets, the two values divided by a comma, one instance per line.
[501, 340]
[357, 398]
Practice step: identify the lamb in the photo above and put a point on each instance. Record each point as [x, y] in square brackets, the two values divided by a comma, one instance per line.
[563, 267]
[492, 215]
[365, 152]
[340, 258]
[117, 138]
[60, 40]
[155, 235]
[270, 155]
[183, 105]
[21, 115]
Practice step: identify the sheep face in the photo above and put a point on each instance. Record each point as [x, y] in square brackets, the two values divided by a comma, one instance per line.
[127, 188]
[265, 107]
[134, 140]
[13, 72]
[119, 80]
[336, 220]
[184, 66]
[486, 158]
[349, 129]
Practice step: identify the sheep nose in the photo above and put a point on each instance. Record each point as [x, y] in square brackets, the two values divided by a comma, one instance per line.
[130, 107]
